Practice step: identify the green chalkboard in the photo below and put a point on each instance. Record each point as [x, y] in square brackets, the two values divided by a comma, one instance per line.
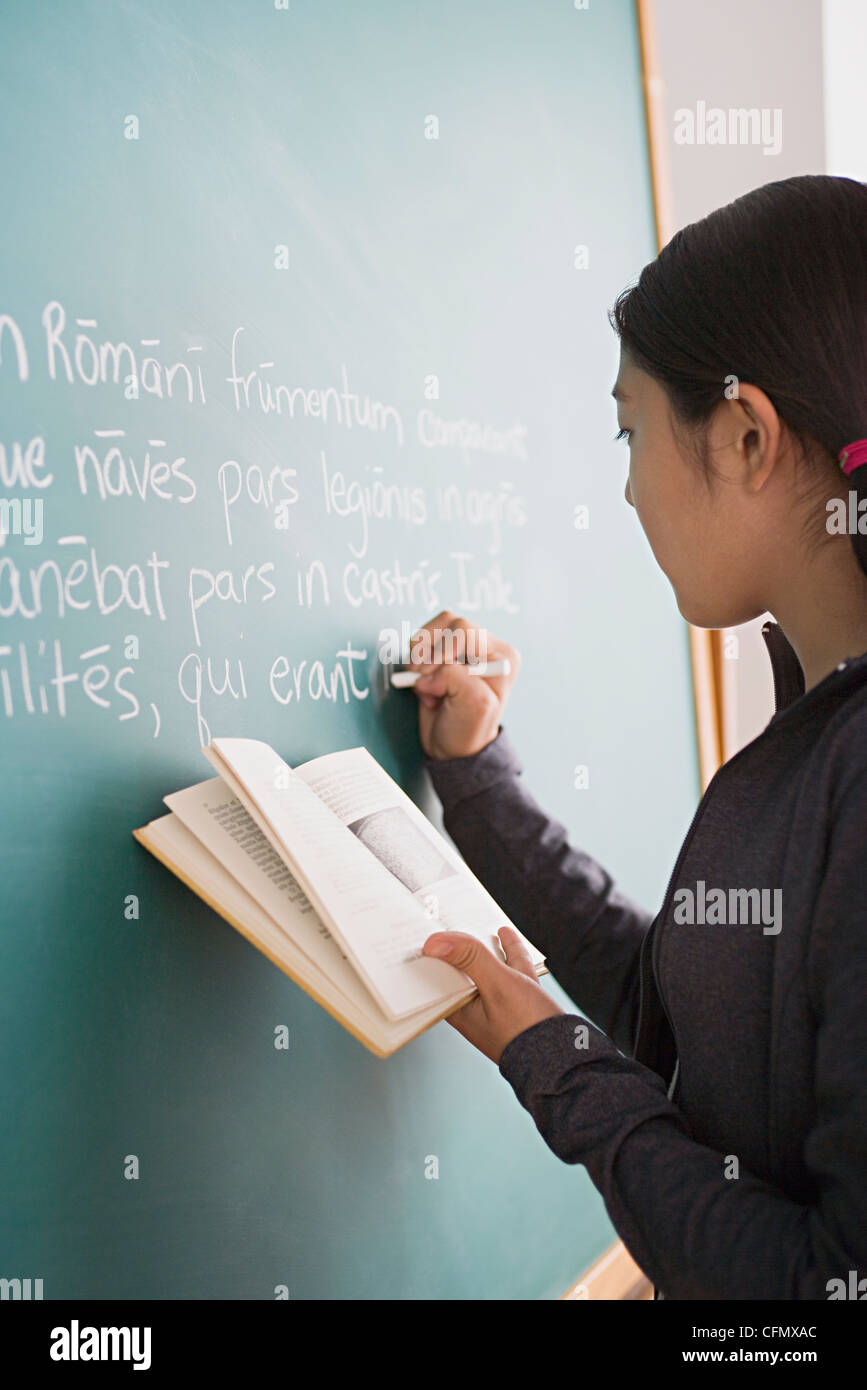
[303, 338]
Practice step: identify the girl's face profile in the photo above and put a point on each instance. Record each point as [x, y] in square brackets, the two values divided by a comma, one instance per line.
[698, 528]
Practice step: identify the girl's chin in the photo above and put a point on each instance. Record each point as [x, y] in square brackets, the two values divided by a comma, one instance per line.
[707, 614]
[701, 613]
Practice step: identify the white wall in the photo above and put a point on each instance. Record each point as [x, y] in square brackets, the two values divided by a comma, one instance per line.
[845, 53]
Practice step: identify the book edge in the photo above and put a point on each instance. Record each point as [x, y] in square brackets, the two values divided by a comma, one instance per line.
[141, 836]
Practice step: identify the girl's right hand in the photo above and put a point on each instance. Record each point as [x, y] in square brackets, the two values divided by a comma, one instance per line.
[459, 714]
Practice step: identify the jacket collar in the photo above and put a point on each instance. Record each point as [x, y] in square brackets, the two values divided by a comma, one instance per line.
[789, 683]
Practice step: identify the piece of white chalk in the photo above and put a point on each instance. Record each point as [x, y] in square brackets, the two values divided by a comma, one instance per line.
[402, 679]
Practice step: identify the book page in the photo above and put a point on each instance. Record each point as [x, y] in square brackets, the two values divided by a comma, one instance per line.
[182, 852]
[387, 821]
[374, 916]
[212, 812]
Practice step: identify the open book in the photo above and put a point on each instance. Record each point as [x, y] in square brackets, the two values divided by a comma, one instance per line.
[333, 872]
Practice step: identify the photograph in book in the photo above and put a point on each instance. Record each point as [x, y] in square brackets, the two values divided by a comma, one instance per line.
[405, 852]
[390, 825]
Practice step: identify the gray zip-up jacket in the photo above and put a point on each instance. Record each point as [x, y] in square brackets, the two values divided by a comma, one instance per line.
[714, 1084]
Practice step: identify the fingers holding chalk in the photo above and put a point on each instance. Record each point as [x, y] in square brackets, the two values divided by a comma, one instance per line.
[402, 680]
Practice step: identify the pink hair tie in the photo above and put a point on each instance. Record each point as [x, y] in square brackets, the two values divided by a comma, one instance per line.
[853, 456]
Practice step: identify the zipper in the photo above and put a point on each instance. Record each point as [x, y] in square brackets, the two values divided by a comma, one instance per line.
[654, 954]
[774, 724]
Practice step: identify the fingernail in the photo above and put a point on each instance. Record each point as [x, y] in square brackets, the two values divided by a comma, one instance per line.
[439, 948]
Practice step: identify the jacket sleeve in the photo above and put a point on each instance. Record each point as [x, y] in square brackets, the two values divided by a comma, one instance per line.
[695, 1232]
[559, 897]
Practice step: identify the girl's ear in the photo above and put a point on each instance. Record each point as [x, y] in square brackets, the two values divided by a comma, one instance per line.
[747, 435]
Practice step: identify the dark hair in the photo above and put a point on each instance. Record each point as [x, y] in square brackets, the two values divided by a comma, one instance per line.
[770, 289]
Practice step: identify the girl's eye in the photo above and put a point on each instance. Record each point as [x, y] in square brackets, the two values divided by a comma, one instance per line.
[623, 434]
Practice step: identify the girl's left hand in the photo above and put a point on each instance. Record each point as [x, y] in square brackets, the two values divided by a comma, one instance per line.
[510, 998]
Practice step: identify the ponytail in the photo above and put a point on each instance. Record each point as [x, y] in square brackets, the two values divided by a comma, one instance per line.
[853, 461]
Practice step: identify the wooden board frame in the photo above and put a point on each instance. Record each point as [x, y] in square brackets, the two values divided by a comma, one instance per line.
[705, 644]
